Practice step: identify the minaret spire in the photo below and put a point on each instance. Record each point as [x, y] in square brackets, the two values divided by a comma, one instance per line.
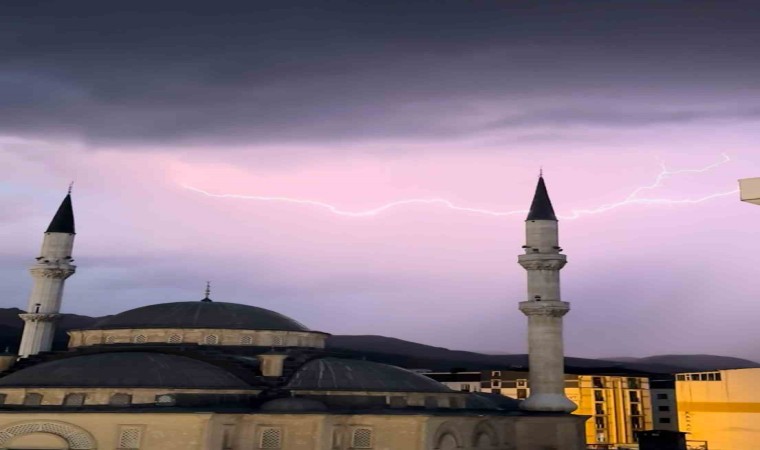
[207, 292]
[544, 308]
[53, 267]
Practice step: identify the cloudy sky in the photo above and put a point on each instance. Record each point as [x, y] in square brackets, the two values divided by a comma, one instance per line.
[358, 104]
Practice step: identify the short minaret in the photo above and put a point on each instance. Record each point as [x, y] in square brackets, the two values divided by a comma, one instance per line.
[543, 261]
[49, 273]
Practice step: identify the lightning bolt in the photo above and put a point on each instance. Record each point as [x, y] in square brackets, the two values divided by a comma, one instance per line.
[632, 198]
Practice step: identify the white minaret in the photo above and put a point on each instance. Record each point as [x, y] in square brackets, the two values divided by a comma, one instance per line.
[49, 273]
[543, 261]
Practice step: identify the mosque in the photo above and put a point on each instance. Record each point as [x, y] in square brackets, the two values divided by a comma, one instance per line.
[213, 375]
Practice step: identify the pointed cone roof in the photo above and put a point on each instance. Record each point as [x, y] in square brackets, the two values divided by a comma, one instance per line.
[63, 221]
[541, 208]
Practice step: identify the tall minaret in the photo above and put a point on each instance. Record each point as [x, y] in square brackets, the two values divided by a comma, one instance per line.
[543, 261]
[49, 273]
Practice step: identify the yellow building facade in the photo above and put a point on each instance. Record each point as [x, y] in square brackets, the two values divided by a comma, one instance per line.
[720, 408]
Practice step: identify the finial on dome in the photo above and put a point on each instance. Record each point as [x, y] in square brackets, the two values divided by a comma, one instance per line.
[541, 172]
[208, 292]
[71, 186]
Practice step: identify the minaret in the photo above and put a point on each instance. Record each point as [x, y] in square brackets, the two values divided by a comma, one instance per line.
[49, 273]
[543, 261]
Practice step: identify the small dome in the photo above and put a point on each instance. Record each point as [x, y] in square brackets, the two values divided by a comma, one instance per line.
[125, 369]
[356, 375]
[200, 315]
[293, 404]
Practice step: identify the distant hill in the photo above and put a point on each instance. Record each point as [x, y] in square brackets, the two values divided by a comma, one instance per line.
[420, 356]
[692, 362]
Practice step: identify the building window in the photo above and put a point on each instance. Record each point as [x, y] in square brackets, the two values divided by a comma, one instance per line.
[598, 396]
[495, 383]
[633, 396]
[599, 409]
[662, 396]
[634, 383]
[277, 341]
[271, 438]
[211, 339]
[33, 399]
[664, 420]
[663, 408]
[361, 438]
[74, 400]
[717, 376]
[110, 339]
[246, 340]
[599, 423]
[522, 393]
[165, 400]
[129, 438]
[140, 339]
[120, 400]
[522, 383]
[635, 411]
[175, 339]
[2, 398]
[681, 377]
[636, 423]
[597, 382]
[495, 374]
[464, 387]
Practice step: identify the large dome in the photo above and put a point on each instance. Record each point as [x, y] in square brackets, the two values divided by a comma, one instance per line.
[357, 375]
[125, 369]
[200, 314]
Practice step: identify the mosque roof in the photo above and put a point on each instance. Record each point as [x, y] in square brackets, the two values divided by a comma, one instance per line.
[63, 221]
[200, 314]
[541, 208]
[357, 375]
[125, 369]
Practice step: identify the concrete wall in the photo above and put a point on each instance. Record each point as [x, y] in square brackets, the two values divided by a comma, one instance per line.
[209, 431]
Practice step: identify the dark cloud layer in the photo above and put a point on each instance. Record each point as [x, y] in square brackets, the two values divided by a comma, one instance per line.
[170, 72]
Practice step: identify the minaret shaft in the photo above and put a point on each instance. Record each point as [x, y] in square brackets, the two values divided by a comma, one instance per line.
[544, 308]
[50, 272]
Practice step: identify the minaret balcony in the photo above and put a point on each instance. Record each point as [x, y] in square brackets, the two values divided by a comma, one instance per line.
[542, 261]
[549, 308]
[39, 317]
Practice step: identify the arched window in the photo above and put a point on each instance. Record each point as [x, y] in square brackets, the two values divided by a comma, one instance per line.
[271, 438]
[74, 400]
[140, 339]
[33, 399]
[120, 400]
[361, 438]
[129, 438]
[175, 339]
[110, 339]
[211, 339]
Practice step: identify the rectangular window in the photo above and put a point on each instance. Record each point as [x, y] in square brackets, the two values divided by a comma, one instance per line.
[703, 377]
[74, 400]
[681, 377]
[662, 396]
[599, 396]
[599, 423]
[33, 399]
[271, 438]
[129, 438]
[664, 420]
[522, 393]
[633, 396]
[464, 387]
[597, 382]
[717, 376]
[663, 408]
[361, 438]
[522, 383]
[635, 411]
[633, 383]
[599, 409]
[495, 383]
[496, 374]
[636, 423]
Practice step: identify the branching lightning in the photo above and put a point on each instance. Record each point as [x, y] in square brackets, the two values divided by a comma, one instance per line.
[632, 198]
